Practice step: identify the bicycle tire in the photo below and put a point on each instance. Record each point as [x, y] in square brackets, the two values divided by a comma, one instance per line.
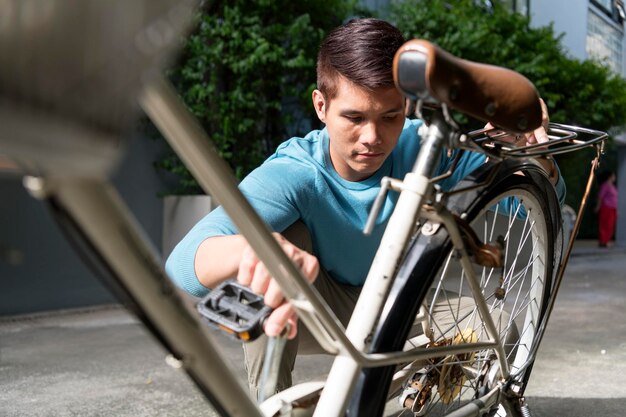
[423, 263]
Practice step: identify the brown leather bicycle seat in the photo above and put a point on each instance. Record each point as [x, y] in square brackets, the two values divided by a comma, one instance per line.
[505, 98]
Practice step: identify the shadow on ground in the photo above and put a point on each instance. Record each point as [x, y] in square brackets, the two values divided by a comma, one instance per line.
[102, 362]
[577, 407]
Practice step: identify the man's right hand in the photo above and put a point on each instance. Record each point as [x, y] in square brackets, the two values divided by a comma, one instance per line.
[253, 273]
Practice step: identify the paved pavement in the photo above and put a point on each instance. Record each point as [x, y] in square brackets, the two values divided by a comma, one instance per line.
[101, 362]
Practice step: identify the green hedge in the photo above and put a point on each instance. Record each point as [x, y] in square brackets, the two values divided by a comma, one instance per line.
[247, 73]
[248, 70]
[583, 93]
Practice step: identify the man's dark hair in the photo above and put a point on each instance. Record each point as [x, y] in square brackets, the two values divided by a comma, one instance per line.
[362, 51]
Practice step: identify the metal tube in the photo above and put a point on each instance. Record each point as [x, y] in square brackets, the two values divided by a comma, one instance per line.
[372, 360]
[416, 186]
[492, 331]
[574, 233]
[109, 227]
[565, 259]
[191, 143]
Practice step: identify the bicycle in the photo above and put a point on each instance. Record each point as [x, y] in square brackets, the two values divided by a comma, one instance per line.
[464, 368]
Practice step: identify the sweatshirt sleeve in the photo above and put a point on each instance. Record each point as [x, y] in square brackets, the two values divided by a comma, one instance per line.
[269, 191]
[180, 264]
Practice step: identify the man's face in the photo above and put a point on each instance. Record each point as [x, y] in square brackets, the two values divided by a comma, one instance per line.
[363, 127]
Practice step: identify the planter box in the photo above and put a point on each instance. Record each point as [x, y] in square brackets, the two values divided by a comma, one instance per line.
[180, 214]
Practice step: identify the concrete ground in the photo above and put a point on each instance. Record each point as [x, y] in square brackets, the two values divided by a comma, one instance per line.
[101, 362]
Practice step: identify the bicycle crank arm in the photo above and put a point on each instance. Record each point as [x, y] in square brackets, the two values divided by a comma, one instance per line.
[235, 310]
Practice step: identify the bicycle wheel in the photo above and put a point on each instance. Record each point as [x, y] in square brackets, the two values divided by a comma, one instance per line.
[521, 214]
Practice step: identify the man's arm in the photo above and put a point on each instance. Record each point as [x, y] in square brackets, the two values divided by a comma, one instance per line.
[222, 257]
[210, 251]
[539, 135]
[252, 272]
[217, 259]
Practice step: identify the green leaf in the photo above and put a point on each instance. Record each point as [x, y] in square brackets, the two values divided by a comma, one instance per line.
[239, 67]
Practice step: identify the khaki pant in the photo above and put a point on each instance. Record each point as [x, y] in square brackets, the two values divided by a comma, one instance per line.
[342, 300]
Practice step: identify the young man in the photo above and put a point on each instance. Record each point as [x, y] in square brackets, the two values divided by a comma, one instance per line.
[315, 192]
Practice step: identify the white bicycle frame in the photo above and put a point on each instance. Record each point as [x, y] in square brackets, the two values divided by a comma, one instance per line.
[75, 160]
[162, 105]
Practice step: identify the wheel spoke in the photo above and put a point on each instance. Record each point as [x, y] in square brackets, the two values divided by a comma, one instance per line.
[515, 308]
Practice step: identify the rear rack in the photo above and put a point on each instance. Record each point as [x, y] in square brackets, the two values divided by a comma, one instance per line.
[563, 139]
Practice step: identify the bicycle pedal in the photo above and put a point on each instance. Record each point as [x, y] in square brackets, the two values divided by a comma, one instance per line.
[235, 310]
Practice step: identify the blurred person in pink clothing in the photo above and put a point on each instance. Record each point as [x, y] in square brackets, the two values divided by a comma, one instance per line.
[606, 208]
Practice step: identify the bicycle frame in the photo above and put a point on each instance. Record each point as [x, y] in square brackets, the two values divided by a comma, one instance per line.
[164, 108]
[90, 205]
[87, 207]
[189, 141]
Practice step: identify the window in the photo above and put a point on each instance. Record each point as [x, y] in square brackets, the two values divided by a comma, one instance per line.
[614, 9]
[519, 6]
[605, 4]
[604, 42]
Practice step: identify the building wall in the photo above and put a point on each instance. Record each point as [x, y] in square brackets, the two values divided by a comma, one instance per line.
[39, 270]
[571, 18]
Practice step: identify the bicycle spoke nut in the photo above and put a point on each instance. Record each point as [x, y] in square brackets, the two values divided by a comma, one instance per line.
[499, 293]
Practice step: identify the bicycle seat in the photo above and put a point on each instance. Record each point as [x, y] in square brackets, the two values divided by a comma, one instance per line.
[507, 99]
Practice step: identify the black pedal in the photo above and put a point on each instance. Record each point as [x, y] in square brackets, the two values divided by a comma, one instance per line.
[236, 310]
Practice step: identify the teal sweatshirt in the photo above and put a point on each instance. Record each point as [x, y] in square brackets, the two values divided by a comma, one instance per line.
[298, 182]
